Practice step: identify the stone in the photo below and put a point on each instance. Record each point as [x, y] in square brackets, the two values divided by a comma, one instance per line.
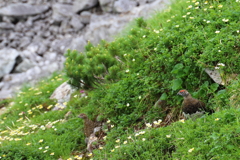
[33, 47]
[24, 66]
[19, 27]
[123, 6]
[107, 5]
[61, 45]
[23, 9]
[7, 62]
[80, 5]
[85, 17]
[62, 93]
[78, 44]
[5, 25]
[62, 11]
[100, 28]
[24, 42]
[76, 23]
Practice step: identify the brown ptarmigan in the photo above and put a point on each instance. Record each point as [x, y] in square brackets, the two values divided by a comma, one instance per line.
[192, 108]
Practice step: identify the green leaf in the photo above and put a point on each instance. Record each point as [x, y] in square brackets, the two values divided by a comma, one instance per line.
[163, 96]
[177, 84]
[214, 87]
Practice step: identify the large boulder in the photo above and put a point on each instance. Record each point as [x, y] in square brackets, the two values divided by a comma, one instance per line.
[62, 11]
[123, 6]
[7, 60]
[23, 9]
[80, 5]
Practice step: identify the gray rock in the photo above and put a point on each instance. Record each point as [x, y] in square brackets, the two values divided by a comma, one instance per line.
[33, 47]
[62, 94]
[7, 62]
[22, 9]
[107, 5]
[76, 23]
[123, 6]
[80, 5]
[24, 42]
[85, 17]
[42, 49]
[78, 44]
[62, 11]
[61, 45]
[5, 25]
[25, 65]
[19, 26]
[105, 27]
[14, 44]
[51, 56]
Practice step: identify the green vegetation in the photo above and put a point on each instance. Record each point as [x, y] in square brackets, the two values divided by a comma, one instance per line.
[124, 79]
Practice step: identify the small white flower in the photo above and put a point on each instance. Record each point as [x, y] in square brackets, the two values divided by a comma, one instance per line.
[217, 68]
[208, 21]
[188, 13]
[117, 146]
[217, 119]
[118, 140]
[190, 150]
[127, 70]
[40, 148]
[144, 139]
[148, 125]
[133, 60]
[197, 3]
[108, 121]
[125, 142]
[177, 26]
[191, 17]
[144, 36]
[219, 51]
[189, 7]
[112, 126]
[129, 137]
[225, 20]
[168, 136]
[137, 134]
[168, 20]
[142, 132]
[75, 96]
[238, 31]
[217, 32]
[182, 120]
[221, 64]
[155, 49]
[184, 16]
[128, 104]
[125, 55]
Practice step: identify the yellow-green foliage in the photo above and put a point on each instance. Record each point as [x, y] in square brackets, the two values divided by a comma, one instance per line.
[123, 79]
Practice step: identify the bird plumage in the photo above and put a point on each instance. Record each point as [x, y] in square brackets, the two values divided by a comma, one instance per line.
[191, 107]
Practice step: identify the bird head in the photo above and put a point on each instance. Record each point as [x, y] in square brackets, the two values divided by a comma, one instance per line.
[183, 93]
[82, 115]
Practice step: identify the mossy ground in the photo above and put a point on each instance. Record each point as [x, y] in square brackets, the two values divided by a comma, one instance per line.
[124, 79]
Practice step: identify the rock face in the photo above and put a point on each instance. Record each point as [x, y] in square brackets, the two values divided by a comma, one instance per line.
[34, 34]
[7, 62]
[21, 9]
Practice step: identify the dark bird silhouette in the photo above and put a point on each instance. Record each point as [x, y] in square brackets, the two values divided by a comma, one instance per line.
[89, 125]
[191, 107]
